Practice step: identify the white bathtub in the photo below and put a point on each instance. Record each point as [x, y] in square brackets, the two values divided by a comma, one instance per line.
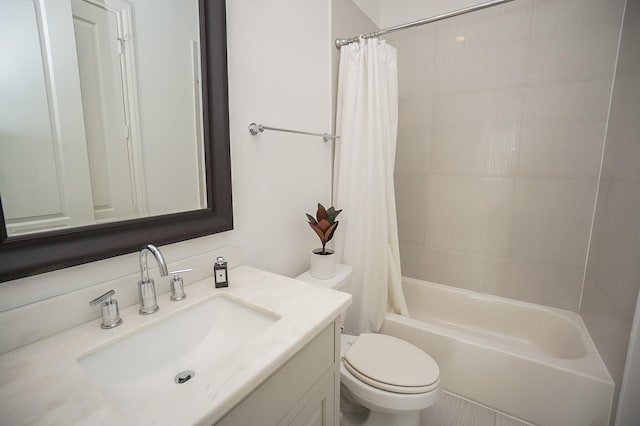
[533, 362]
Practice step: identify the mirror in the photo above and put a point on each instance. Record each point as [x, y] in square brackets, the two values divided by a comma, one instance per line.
[36, 251]
[100, 112]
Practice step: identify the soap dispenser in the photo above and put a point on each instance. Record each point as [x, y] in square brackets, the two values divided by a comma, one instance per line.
[220, 273]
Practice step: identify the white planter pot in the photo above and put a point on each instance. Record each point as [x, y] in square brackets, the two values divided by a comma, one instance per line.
[323, 266]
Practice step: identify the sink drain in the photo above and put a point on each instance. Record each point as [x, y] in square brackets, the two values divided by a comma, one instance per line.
[184, 376]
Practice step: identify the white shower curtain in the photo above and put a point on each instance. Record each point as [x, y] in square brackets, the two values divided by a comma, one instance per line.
[367, 122]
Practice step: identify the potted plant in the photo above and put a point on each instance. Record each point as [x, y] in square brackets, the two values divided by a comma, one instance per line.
[323, 260]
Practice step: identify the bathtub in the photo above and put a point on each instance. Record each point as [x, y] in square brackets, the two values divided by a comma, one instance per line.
[533, 362]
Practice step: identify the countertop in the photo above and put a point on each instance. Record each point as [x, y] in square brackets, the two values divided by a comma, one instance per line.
[43, 383]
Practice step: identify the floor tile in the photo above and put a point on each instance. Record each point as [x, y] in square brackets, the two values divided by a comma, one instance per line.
[502, 420]
[450, 410]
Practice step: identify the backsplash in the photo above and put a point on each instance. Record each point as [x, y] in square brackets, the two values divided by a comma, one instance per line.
[35, 321]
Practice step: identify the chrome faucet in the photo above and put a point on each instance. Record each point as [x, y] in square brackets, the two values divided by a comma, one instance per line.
[146, 286]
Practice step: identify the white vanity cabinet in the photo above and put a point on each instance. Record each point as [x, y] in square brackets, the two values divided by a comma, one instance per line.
[304, 391]
[286, 373]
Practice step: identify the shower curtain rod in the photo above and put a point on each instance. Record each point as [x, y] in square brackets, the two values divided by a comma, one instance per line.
[254, 129]
[344, 41]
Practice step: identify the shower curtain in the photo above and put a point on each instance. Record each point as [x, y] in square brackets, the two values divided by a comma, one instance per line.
[367, 122]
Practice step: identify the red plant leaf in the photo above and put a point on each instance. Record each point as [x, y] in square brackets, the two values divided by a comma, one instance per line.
[328, 235]
[318, 231]
[321, 213]
[324, 225]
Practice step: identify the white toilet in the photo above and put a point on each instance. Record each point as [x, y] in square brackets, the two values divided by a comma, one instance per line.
[385, 381]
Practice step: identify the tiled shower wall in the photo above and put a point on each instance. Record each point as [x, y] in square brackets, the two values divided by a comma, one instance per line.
[613, 271]
[502, 117]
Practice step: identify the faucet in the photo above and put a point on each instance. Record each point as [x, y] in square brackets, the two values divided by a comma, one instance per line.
[146, 286]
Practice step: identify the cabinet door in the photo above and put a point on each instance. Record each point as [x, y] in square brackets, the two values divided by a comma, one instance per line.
[320, 410]
[276, 399]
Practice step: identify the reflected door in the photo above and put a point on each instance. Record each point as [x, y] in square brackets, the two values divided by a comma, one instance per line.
[100, 54]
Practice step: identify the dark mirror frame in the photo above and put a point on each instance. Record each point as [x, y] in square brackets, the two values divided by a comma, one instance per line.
[23, 256]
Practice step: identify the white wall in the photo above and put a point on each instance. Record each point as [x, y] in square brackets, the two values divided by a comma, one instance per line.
[347, 20]
[276, 79]
[279, 75]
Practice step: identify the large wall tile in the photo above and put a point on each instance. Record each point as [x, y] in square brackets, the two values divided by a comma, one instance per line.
[483, 50]
[487, 274]
[415, 112]
[413, 150]
[613, 270]
[552, 220]
[411, 191]
[415, 135]
[622, 153]
[563, 129]
[416, 61]
[470, 213]
[412, 260]
[609, 331]
[603, 248]
[573, 40]
[477, 133]
[613, 256]
[546, 284]
[630, 40]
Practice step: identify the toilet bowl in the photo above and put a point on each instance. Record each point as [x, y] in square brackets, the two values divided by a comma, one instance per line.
[384, 381]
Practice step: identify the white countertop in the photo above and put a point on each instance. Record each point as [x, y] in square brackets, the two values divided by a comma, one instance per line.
[43, 383]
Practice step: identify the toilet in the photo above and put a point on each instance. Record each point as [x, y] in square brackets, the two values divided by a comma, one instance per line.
[384, 381]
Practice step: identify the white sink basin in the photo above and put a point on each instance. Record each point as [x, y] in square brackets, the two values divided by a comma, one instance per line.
[137, 370]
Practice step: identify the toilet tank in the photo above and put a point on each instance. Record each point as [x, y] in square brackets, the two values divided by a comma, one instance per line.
[343, 275]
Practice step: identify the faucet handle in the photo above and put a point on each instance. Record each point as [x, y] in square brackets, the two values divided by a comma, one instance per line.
[104, 297]
[110, 313]
[177, 285]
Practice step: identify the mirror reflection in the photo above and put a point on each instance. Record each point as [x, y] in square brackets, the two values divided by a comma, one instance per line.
[100, 112]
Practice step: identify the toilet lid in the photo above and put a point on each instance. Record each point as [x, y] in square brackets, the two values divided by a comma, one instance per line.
[391, 364]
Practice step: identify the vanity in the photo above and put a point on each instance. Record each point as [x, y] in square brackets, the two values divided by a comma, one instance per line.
[264, 351]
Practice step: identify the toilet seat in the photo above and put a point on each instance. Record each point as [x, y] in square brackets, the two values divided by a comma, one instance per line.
[390, 364]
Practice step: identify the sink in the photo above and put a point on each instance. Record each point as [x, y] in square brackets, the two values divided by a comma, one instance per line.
[135, 371]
